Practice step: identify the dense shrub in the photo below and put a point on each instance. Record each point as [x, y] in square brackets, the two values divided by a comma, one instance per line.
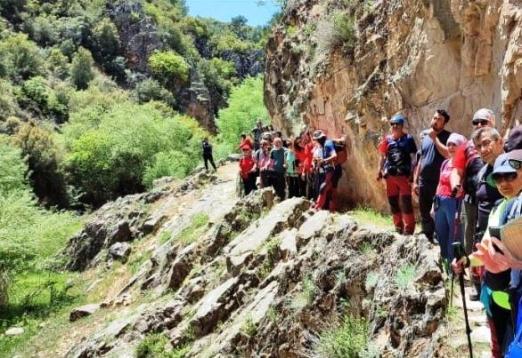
[349, 339]
[151, 90]
[167, 164]
[13, 169]
[81, 68]
[110, 157]
[168, 64]
[20, 58]
[245, 106]
[58, 64]
[8, 103]
[43, 158]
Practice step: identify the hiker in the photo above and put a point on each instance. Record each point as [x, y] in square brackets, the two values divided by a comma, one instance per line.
[484, 117]
[514, 140]
[507, 175]
[207, 154]
[257, 131]
[292, 173]
[247, 169]
[277, 155]
[427, 172]
[264, 164]
[397, 151]
[246, 141]
[324, 167]
[446, 206]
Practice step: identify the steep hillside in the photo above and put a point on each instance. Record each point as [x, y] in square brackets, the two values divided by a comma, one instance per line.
[343, 65]
[189, 269]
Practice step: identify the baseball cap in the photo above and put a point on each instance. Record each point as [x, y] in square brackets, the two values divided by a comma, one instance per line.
[483, 113]
[319, 134]
[398, 119]
[502, 165]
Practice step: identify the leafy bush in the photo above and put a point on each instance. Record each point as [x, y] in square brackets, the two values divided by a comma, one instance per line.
[344, 27]
[58, 63]
[229, 41]
[8, 103]
[245, 107]
[81, 68]
[13, 168]
[167, 164]
[110, 155]
[349, 340]
[20, 58]
[151, 90]
[158, 346]
[168, 64]
[42, 152]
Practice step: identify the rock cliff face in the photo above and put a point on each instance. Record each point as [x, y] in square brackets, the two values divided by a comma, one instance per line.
[343, 65]
[259, 279]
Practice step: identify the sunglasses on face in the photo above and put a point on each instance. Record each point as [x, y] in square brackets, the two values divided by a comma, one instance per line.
[508, 177]
[515, 164]
[482, 122]
[395, 124]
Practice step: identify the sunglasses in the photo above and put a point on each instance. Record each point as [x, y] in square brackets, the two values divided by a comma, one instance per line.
[508, 177]
[482, 122]
[515, 164]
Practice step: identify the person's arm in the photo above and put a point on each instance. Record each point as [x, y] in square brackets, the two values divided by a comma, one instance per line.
[456, 179]
[416, 173]
[382, 159]
[441, 148]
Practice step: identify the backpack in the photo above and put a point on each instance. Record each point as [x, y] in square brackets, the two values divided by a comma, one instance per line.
[340, 149]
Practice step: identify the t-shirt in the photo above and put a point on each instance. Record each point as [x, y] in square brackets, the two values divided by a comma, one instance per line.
[207, 148]
[291, 163]
[444, 187]
[431, 159]
[278, 157]
[487, 195]
[257, 134]
[398, 154]
[325, 151]
[264, 162]
[246, 163]
[468, 160]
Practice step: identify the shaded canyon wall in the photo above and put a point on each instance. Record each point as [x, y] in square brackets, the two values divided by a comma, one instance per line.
[412, 56]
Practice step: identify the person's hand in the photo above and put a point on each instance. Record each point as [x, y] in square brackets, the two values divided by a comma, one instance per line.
[432, 212]
[432, 134]
[486, 253]
[303, 176]
[379, 175]
[459, 266]
[508, 258]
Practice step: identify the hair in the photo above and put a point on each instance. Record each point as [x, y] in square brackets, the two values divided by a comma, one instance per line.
[444, 113]
[243, 135]
[490, 131]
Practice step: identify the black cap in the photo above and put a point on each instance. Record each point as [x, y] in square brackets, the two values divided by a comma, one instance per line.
[514, 140]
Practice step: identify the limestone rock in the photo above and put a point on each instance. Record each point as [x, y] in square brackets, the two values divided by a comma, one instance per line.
[14, 331]
[83, 311]
[120, 251]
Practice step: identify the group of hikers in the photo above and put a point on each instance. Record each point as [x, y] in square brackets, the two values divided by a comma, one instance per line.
[308, 165]
[469, 192]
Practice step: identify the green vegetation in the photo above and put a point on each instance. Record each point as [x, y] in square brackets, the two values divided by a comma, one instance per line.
[405, 277]
[245, 107]
[306, 296]
[197, 226]
[367, 215]
[158, 346]
[249, 328]
[348, 340]
[169, 65]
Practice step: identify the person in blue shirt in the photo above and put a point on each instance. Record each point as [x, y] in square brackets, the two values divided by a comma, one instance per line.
[397, 152]
[327, 171]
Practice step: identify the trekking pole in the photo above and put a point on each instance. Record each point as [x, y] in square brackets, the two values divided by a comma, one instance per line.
[459, 253]
[456, 228]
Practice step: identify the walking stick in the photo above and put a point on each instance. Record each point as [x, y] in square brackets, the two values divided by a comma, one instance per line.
[456, 227]
[459, 253]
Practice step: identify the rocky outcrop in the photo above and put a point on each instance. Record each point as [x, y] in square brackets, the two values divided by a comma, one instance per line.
[268, 279]
[412, 56]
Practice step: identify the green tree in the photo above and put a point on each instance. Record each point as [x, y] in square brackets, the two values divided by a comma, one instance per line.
[81, 68]
[245, 106]
[20, 58]
[166, 65]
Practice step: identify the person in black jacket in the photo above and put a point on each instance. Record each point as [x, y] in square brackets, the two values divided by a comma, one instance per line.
[207, 153]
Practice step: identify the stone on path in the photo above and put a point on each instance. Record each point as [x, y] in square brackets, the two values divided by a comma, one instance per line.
[83, 311]
[14, 331]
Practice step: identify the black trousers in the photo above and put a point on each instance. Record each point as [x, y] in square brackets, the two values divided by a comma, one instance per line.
[279, 184]
[293, 186]
[249, 183]
[208, 158]
[426, 195]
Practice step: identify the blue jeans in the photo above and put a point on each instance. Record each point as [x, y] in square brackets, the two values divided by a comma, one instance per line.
[447, 228]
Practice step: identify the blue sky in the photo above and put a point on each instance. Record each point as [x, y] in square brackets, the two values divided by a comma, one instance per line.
[224, 10]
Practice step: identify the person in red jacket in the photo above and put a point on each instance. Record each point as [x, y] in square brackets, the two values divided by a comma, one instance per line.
[247, 169]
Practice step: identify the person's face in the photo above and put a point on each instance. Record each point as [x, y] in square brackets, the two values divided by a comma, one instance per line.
[266, 147]
[509, 185]
[437, 122]
[452, 148]
[488, 148]
[479, 123]
[396, 129]
[278, 144]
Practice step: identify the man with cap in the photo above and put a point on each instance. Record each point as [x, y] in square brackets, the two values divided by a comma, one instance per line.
[484, 117]
[324, 157]
[395, 166]
[427, 171]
